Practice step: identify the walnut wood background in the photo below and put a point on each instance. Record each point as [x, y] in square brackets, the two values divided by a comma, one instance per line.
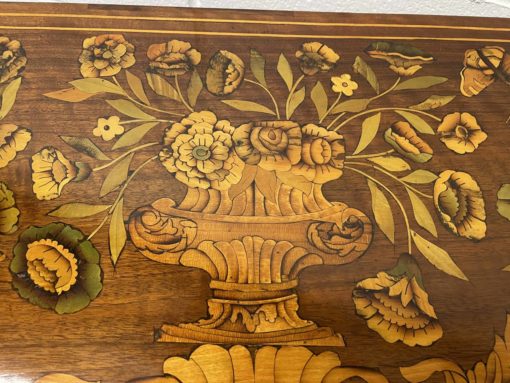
[112, 340]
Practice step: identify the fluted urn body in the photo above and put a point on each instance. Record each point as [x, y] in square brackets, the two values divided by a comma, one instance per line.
[253, 217]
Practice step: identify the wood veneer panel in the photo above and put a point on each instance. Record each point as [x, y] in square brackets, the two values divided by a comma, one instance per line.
[113, 339]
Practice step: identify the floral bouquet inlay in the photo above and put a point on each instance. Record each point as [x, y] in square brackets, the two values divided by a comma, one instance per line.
[254, 213]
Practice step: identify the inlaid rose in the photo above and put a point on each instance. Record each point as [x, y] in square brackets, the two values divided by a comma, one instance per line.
[322, 155]
[272, 145]
[56, 267]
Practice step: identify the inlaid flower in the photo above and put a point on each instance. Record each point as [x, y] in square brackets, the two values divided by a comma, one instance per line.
[322, 155]
[51, 172]
[404, 139]
[225, 73]
[12, 58]
[56, 267]
[106, 55]
[199, 150]
[344, 84]
[108, 128]
[396, 305]
[153, 231]
[461, 133]
[272, 145]
[172, 58]
[460, 204]
[9, 213]
[315, 57]
[404, 60]
[482, 67]
[13, 139]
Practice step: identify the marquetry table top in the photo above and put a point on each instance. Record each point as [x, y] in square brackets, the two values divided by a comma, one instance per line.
[202, 196]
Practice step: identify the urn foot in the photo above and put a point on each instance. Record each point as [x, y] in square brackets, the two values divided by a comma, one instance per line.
[252, 314]
[308, 336]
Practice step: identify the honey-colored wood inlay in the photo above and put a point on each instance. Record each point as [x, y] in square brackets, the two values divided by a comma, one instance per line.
[252, 197]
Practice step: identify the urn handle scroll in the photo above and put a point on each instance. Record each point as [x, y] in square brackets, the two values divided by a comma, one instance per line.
[346, 233]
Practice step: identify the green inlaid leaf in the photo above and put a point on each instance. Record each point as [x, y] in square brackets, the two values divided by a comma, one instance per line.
[9, 97]
[27, 290]
[362, 68]
[129, 109]
[70, 95]
[195, 86]
[391, 163]
[97, 85]
[285, 71]
[267, 183]
[351, 106]
[247, 178]
[503, 204]
[117, 176]
[421, 82]
[90, 279]
[369, 129]
[257, 66]
[136, 86]
[77, 210]
[437, 256]
[421, 213]
[296, 99]
[504, 192]
[162, 87]
[420, 176]
[419, 123]
[320, 99]
[134, 135]
[433, 102]
[382, 211]
[248, 106]
[295, 181]
[85, 146]
[117, 232]
[72, 301]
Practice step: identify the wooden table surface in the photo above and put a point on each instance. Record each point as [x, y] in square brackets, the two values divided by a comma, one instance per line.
[263, 172]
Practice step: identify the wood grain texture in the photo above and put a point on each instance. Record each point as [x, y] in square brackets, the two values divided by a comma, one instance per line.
[113, 339]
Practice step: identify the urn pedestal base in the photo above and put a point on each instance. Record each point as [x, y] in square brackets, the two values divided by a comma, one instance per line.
[309, 336]
[254, 276]
[252, 314]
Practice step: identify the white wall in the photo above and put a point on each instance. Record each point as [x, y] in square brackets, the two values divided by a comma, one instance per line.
[486, 8]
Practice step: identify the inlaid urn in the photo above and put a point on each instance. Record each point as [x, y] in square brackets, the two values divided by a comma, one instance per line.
[254, 216]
